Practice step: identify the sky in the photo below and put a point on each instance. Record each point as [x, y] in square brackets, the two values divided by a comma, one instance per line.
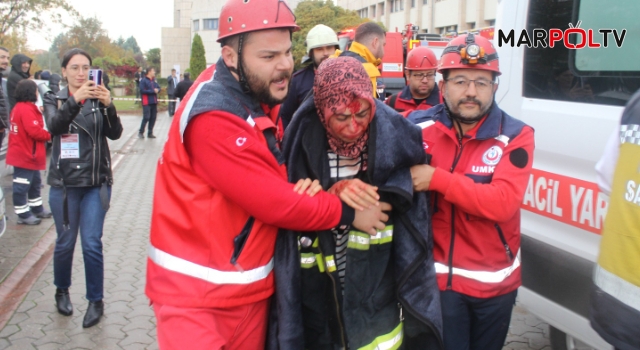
[141, 18]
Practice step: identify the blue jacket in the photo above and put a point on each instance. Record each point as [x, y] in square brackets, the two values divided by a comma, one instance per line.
[149, 96]
[394, 145]
[301, 84]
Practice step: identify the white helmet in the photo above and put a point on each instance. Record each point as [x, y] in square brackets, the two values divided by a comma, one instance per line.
[320, 36]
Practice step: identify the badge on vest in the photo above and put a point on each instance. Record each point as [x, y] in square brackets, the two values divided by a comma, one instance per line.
[492, 156]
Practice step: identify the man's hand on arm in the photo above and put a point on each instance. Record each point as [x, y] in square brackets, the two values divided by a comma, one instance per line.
[308, 186]
[421, 176]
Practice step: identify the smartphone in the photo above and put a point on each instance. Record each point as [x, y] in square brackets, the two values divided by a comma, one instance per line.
[96, 76]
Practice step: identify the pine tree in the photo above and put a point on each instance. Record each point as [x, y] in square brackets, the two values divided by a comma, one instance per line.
[198, 62]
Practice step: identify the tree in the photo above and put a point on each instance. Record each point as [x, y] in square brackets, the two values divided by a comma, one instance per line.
[309, 13]
[32, 15]
[86, 34]
[49, 61]
[153, 59]
[131, 44]
[198, 62]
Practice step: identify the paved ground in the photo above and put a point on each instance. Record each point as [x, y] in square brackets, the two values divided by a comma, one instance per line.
[128, 322]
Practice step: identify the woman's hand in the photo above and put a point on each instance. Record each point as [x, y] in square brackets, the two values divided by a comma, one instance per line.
[86, 91]
[103, 95]
[357, 194]
[307, 186]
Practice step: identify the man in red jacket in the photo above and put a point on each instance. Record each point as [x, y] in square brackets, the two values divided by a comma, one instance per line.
[421, 91]
[27, 154]
[221, 190]
[480, 164]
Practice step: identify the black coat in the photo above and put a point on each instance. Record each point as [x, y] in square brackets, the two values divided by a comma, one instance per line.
[54, 83]
[92, 126]
[15, 76]
[394, 145]
[182, 88]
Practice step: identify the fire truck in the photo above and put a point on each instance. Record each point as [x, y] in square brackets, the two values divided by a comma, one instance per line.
[392, 78]
[487, 32]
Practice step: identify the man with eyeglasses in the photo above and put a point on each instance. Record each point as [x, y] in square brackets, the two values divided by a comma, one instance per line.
[421, 91]
[481, 161]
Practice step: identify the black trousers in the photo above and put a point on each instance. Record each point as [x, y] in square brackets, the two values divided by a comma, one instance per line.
[475, 323]
[172, 106]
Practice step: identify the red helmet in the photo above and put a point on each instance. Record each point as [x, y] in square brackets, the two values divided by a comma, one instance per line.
[243, 16]
[469, 52]
[421, 58]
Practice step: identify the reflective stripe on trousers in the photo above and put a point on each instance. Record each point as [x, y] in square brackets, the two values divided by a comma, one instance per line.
[482, 276]
[390, 341]
[208, 274]
[626, 292]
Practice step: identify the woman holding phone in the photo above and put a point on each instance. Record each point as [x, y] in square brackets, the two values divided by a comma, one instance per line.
[80, 118]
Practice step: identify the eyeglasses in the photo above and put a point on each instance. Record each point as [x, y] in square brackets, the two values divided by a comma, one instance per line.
[420, 76]
[461, 83]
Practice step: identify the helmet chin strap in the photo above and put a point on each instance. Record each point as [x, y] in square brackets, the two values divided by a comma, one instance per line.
[244, 85]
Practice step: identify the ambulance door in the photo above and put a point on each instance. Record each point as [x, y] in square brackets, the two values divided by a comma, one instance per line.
[573, 99]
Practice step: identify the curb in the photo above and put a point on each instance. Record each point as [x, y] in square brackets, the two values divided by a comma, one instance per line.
[19, 282]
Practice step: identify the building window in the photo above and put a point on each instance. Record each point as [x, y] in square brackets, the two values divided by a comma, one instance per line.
[196, 25]
[373, 11]
[397, 5]
[210, 24]
[363, 13]
[424, 2]
[381, 9]
[413, 4]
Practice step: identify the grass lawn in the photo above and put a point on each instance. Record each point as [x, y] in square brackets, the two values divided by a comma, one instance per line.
[129, 106]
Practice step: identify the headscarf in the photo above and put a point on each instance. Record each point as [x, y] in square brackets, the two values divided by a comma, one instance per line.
[338, 84]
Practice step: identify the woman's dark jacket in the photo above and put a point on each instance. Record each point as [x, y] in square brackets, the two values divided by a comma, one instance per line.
[93, 123]
[409, 278]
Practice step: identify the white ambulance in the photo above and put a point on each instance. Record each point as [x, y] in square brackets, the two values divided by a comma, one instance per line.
[573, 99]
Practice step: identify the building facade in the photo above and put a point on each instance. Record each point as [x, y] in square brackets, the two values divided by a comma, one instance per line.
[432, 16]
[193, 17]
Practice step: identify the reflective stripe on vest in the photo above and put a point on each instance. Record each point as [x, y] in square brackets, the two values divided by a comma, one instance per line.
[482, 276]
[361, 241]
[390, 341]
[330, 262]
[626, 292]
[307, 260]
[173, 263]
